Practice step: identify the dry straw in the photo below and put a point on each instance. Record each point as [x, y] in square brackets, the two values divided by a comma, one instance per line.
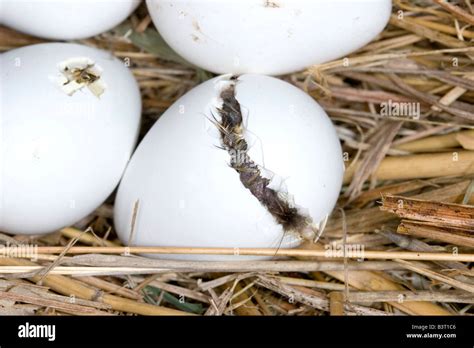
[406, 198]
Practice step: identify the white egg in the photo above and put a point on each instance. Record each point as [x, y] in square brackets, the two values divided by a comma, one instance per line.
[65, 19]
[181, 187]
[267, 36]
[64, 142]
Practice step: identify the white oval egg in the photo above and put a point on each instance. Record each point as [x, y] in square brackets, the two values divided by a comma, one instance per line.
[267, 36]
[69, 121]
[65, 19]
[180, 188]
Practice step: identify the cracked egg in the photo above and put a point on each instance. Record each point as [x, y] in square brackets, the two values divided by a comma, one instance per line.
[239, 161]
[69, 120]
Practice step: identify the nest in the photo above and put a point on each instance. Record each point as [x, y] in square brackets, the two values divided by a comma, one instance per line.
[403, 109]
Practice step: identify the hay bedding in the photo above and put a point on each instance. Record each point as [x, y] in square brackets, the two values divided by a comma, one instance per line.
[403, 108]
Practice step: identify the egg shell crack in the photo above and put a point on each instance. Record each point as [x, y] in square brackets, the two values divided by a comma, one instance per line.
[231, 129]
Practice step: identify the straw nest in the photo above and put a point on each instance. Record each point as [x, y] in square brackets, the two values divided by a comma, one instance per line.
[405, 201]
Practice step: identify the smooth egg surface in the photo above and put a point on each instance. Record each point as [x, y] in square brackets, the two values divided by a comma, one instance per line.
[269, 37]
[65, 19]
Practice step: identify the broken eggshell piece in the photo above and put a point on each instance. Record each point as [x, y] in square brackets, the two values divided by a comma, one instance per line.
[270, 37]
[65, 19]
[183, 188]
[80, 72]
[62, 150]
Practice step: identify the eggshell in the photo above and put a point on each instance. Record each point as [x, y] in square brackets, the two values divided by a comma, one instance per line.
[179, 190]
[267, 36]
[61, 155]
[65, 19]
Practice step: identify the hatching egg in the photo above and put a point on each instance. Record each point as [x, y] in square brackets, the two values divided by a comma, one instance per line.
[239, 161]
[267, 36]
[65, 19]
[69, 121]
